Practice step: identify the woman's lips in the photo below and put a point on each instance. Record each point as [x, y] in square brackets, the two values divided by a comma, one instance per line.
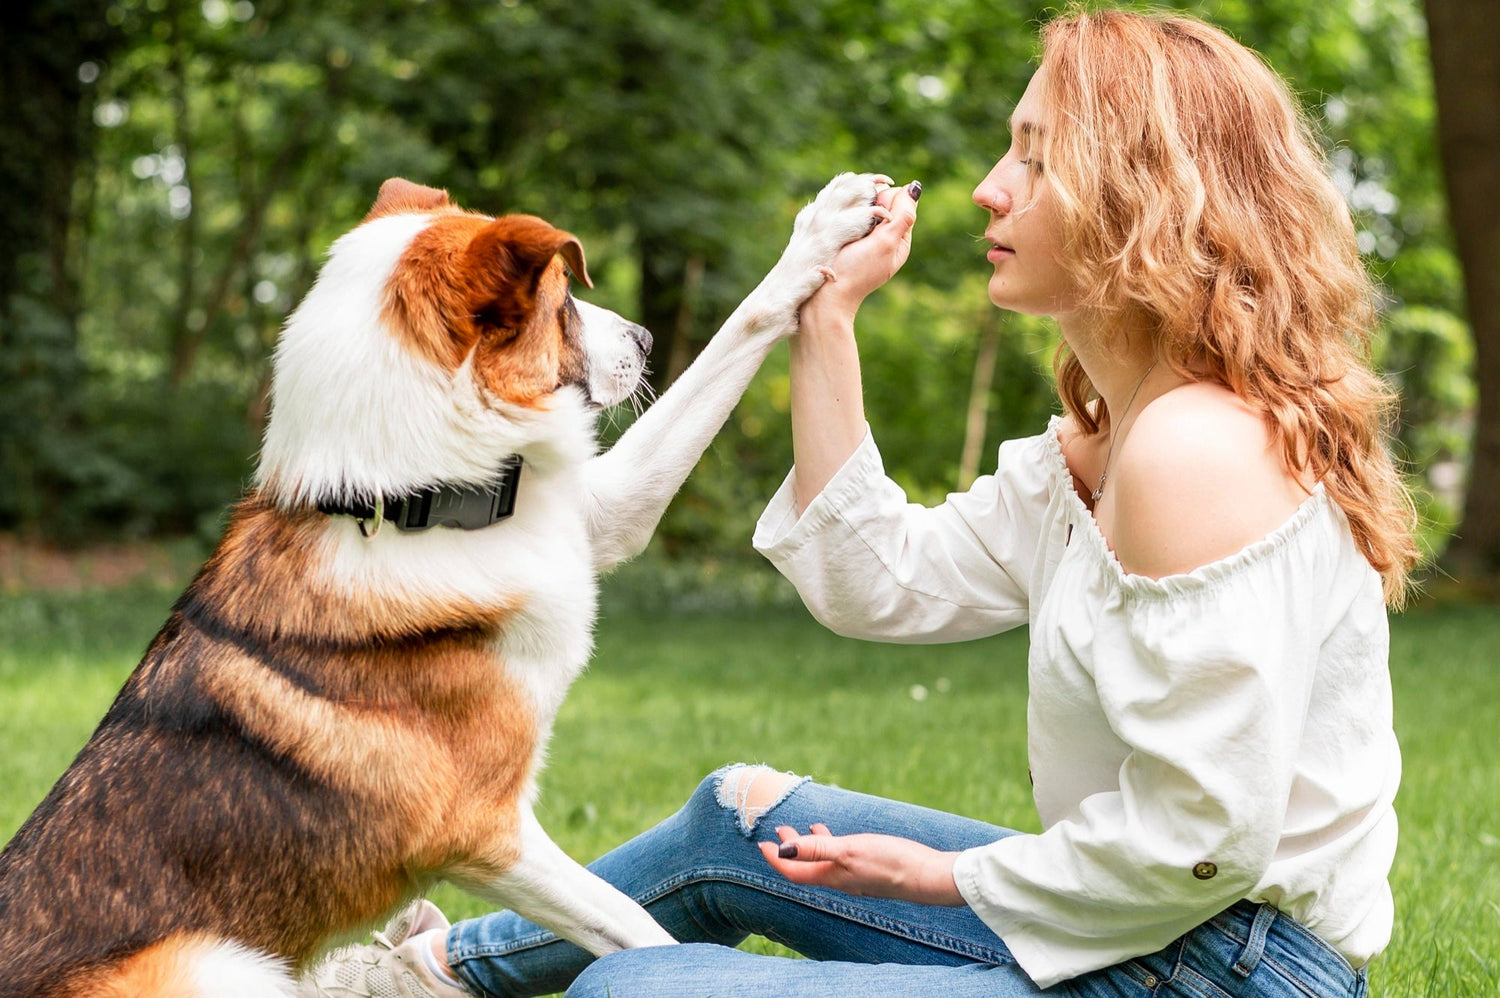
[998, 253]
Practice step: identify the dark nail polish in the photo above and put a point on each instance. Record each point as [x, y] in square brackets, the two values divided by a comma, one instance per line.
[787, 850]
[915, 190]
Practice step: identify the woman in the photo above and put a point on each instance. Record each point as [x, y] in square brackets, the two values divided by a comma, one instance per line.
[1203, 545]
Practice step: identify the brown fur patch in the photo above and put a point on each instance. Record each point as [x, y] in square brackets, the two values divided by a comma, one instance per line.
[398, 196]
[495, 288]
[267, 580]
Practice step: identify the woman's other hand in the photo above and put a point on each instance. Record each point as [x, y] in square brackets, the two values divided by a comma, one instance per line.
[870, 865]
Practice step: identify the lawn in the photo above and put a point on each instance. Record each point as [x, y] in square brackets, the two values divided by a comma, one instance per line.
[685, 680]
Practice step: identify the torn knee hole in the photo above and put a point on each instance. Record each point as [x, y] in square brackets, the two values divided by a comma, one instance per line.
[751, 791]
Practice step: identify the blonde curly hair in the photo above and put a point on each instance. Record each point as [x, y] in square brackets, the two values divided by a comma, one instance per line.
[1193, 191]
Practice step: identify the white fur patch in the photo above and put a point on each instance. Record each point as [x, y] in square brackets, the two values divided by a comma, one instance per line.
[615, 357]
[229, 970]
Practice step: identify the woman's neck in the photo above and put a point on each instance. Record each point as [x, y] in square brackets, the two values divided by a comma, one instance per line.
[1117, 354]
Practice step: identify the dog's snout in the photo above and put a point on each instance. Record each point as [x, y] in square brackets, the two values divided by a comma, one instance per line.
[642, 337]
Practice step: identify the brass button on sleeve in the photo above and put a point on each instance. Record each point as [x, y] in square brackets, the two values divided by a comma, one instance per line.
[1205, 871]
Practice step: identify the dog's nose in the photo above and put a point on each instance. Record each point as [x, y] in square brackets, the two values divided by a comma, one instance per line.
[642, 337]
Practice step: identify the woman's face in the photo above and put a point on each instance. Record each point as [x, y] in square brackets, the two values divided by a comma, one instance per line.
[1025, 244]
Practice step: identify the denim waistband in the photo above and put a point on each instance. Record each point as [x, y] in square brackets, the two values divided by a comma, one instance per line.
[1266, 933]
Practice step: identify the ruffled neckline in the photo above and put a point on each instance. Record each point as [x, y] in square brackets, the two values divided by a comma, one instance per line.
[1204, 577]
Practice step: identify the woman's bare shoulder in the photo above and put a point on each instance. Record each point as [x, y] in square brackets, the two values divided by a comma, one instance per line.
[1199, 477]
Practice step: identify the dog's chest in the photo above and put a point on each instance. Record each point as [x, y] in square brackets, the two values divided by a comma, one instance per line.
[542, 566]
[547, 642]
[536, 569]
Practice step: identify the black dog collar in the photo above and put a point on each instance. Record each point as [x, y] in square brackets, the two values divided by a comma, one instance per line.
[467, 507]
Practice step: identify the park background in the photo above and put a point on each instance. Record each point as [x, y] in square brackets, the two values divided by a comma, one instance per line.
[174, 172]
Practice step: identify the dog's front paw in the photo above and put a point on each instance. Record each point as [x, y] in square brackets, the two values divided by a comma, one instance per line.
[843, 211]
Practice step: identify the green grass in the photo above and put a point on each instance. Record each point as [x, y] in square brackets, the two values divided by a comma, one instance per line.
[684, 681]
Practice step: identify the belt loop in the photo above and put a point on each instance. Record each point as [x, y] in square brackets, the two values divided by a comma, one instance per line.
[1264, 916]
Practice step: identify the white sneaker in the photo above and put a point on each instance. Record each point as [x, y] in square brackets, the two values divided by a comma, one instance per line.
[390, 967]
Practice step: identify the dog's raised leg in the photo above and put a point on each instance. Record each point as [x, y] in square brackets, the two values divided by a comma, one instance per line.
[630, 485]
[551, 889]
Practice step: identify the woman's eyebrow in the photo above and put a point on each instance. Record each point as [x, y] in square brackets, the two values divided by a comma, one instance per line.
[1024, 127]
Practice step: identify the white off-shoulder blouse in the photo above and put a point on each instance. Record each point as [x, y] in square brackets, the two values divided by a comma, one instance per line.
[1194, 740]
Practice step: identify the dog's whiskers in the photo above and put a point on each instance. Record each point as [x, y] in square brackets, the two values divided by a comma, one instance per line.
[643, 396]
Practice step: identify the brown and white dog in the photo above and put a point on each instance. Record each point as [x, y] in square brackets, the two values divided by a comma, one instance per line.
[342, 709]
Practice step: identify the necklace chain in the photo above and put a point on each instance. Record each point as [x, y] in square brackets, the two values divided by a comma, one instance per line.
[1104, 475]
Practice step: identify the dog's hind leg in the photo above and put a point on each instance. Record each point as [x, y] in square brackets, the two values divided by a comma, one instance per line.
[550, 888]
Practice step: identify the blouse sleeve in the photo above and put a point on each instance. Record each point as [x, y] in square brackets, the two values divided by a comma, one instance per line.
[871, 565]
[1205, 679]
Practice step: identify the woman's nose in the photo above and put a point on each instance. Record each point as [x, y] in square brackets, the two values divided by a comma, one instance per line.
[990, 196]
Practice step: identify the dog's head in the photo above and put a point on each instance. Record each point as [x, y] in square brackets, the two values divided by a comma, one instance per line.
[434, 343]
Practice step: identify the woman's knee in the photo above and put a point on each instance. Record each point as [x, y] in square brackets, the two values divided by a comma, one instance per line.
[747, 791]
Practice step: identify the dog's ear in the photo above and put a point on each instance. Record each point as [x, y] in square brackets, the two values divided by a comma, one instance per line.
[505, 262]
[398, 195]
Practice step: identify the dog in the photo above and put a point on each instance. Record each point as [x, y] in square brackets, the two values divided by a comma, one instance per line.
[352, 698]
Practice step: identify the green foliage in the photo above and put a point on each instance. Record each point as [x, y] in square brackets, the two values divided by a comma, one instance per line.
[232, 141]
[40, 371]
[1430, 358]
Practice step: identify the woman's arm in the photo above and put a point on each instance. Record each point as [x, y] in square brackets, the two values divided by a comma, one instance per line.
[828, 413]
[867, 562]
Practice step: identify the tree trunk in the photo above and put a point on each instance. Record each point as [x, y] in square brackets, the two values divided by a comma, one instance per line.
[978, 415]
[45, 133]
[254, 205]
[1465, 46]
[683, 352]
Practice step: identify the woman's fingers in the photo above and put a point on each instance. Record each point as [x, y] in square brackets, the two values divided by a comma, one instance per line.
[796, 858]
[819, 846]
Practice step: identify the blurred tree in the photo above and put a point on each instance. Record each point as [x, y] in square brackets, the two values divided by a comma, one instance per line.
[54, 51]
[237, 138]
[1465, 40]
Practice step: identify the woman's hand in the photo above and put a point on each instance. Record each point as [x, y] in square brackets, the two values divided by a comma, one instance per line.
[871, 865]
[865, 264]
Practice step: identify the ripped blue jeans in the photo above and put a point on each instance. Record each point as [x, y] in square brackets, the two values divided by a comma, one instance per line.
[702, 878]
